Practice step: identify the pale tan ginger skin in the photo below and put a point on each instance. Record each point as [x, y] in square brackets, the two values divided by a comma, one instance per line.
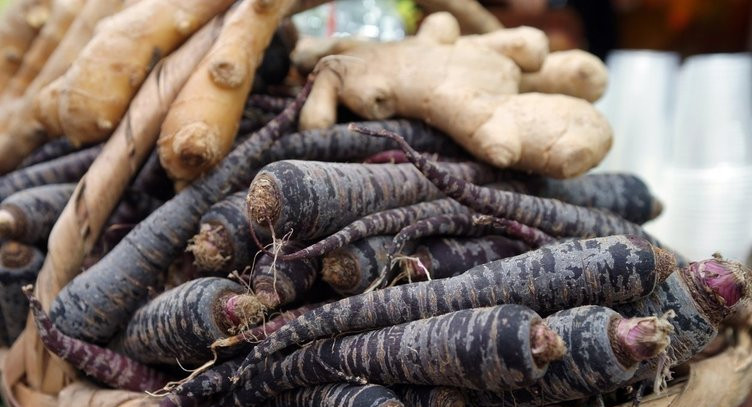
[575, 73]
[99, 85]
[25, 131]
[19, 25]
[62, 14]
[202, 122]
[469, 93]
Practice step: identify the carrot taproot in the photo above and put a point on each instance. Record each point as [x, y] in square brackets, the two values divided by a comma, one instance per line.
[337, 394]
[131, 43]
[353, 268]
[430, 396]
[506, 346]
[48, 151]
[102, 364]
[119, 283]
[605, 350]
[388, 156]
[28, 216]
[68, 168]
[701, 295]
[181, 323]
[313, 199]
[387, 222]
[223, 243]
[200, 127]
[605, 271]
[549, 215]
[19, 265]
[469, 224]
[623, 194]
[278, 283]
[204, 388]
[62, 14]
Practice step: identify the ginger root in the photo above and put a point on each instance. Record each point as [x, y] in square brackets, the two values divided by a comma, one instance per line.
[468, 89]
[575, 73]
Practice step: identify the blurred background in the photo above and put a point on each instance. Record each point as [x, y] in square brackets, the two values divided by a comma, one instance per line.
[679, 96]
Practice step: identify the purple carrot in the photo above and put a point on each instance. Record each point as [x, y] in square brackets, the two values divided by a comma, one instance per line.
[701, 295]
[311, 199]
[338, 395]
[68, 168]
[623, 194]
[605, 350]
[465, 224]
[97, 302]
[549, 215]
[604, 271]
[278, 283]
[48, 151]
[431, 396]
[216, 380]
[180, 324]
[386, 222]
[494, 348]
[102, 364]
[28, 215]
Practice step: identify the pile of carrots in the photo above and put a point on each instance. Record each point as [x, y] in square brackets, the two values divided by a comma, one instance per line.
[172, 235]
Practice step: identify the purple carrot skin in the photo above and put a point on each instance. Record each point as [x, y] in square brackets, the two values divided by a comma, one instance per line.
[314, 199]
[68, 168]
[268, 103]
[199, 391]
[216, 380]
[253, 119]
[101, 364]
[352, 269]
[120, 282]
[28, 216]
[388, 156]
[701, 295]
[277, 283]
[224, 243]
[336, 395]
[442, 257]
[431, 396]
[549, 215]
[466, 224]
[604, 271]
[180, 324]
[623, 194]
[604, 352]
[19, 265]
[494, 348]
[386, 222]
[50, 150]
